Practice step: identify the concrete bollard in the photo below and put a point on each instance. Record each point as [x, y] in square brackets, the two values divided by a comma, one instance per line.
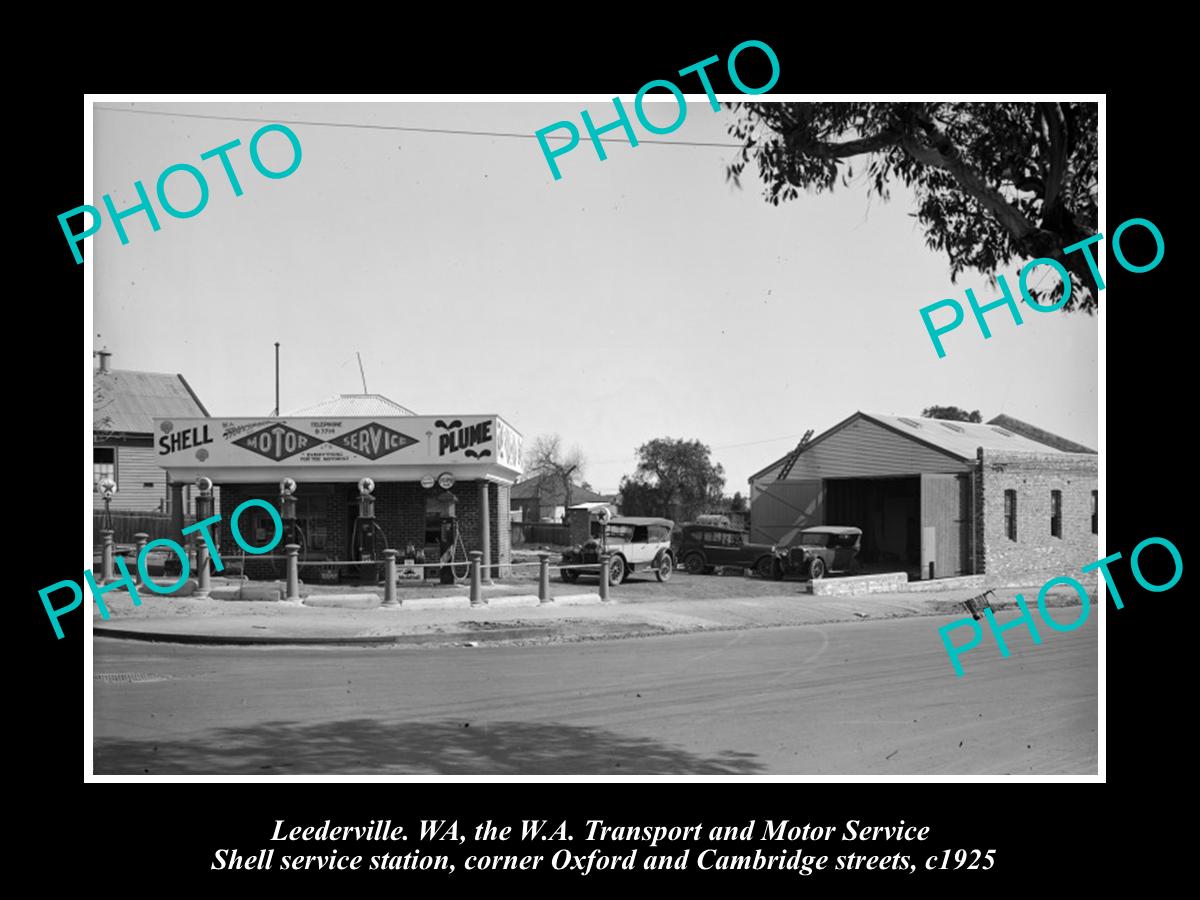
[476, 578]
[389, 579]
[139, 544]
[604, 561]
[544, 578]
[293, 573]
[106, 556]
[203, 586]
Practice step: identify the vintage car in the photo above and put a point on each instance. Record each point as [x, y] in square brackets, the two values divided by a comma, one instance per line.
[634, 544]
[702, 548]
[817, 551]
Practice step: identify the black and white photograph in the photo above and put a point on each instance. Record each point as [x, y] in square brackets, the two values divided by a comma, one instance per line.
[707, 432]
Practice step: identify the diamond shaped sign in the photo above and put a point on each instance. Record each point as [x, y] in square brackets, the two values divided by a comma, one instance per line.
[277, 442]
[373, 441]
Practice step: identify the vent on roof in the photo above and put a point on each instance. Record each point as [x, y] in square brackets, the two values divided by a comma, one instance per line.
[999, 430]
[910, 422]
[957, 428]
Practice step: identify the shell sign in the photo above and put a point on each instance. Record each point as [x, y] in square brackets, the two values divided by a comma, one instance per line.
[487, 444]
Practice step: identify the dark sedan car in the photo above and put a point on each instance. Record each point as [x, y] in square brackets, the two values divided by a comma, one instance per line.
[702, 548]
[818, 550]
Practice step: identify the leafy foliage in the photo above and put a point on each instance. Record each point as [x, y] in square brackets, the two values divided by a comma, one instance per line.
[674, 478]
[952, 413]
[994, 182]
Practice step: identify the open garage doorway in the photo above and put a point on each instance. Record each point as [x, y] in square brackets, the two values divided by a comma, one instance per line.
[888, 510]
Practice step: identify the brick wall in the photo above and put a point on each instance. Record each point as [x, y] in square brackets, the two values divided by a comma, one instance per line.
[1036, 555]
[502, 530]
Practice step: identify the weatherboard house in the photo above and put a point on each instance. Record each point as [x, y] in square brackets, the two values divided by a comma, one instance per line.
[424, 468]
[940, 498]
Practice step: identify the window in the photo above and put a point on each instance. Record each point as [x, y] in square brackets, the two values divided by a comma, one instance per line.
[312, 515]
[104, 465]
[1056, 513]
[950, 427]
[620, 533]
[1010, 514]
[1095, 512]
[433, 521]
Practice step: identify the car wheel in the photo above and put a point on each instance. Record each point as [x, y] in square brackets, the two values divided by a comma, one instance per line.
[817, 569]
[570, 576]
[665, 567]
[694, 563]
[765, 567]
[616, 570]
[855, 567]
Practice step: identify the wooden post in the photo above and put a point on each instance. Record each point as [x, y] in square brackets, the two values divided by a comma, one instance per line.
[604, 560]
[139, 544]
[106, 556]
[476, 587]
[293, 572]
[202, 576]
[389, 579]
[544, 578]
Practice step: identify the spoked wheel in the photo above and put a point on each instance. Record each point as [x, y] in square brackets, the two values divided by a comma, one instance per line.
[570, 576]
[694, 564]
[665, 567]
[616, 570]
[765, 567]
[817, 570]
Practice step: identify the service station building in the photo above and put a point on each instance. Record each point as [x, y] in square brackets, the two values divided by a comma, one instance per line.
[427, 471]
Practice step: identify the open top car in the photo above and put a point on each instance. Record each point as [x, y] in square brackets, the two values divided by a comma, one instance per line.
[633, 542]
[814, 552]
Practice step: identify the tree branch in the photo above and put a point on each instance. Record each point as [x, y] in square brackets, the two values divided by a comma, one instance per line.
[1058, 162]
[944, 155]
[826, 150]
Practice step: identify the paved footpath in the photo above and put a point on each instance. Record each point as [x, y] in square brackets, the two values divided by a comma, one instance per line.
[443, 615]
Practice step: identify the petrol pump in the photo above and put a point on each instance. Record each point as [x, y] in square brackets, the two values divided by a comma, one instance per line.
[108, 488]
[287, 512]
[292, 533]
[366, 545]
[204, 510]
[449, 534]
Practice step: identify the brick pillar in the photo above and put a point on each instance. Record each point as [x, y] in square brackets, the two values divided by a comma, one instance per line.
[485, 530]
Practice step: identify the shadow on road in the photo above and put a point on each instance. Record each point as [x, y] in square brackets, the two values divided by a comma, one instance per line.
[447, 748]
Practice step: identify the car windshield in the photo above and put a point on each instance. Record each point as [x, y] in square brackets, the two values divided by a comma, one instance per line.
[815, 538]
[620, 533]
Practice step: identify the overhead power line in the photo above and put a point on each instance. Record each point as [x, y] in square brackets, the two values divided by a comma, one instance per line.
[410, 128]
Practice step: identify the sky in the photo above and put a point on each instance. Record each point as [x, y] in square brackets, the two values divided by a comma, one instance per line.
[638, 297]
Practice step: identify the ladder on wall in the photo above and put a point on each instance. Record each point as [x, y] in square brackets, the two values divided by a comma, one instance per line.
[793, 456]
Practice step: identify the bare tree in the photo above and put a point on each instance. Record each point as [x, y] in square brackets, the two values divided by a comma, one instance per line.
[547, 459]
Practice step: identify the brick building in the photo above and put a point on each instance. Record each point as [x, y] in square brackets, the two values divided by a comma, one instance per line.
[420, 465]
[940, 498]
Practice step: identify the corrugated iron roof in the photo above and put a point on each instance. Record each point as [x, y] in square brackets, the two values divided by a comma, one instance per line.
[1039, 434]
[127, 401]
[354, 405]
[960, 438]
[551, 491]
